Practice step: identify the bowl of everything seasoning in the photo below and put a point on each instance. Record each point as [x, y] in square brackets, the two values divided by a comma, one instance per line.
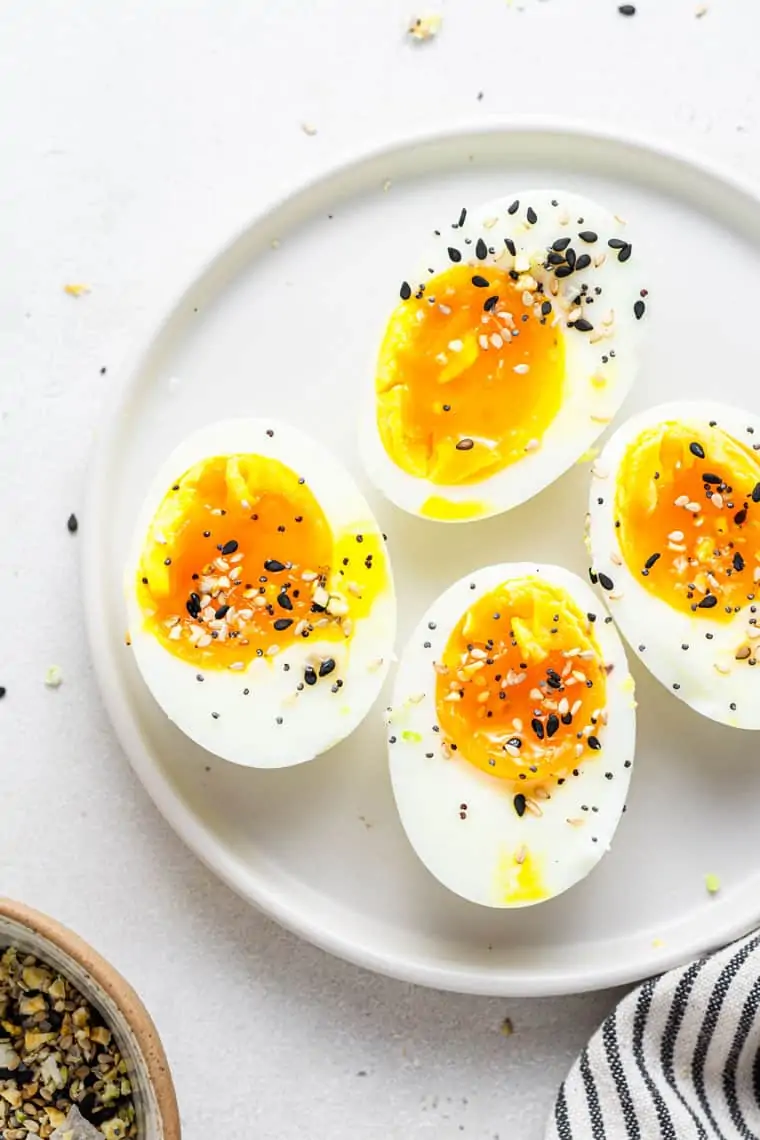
[80, 1058]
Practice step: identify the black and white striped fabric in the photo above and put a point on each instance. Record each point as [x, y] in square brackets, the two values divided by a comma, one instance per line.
[679, 1059]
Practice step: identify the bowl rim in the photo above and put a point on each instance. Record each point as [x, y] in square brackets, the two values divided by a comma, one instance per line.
[123, 996]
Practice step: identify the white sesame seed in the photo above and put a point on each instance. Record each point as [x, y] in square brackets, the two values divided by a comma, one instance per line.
[456, 345]
[237, 665]
[564, 707]
[521, 854]
[445, 310]
[676, 535]
[204, 641]
[175, 633]
[695, 508]
[532, 445]
[483, 697]
[717, 500]
[721, 668]
[615, 558]
[521, 369]
[483, 341]
[532, 807]
[221, 564]
[517, 724]
[496, 340]
[577, 706]
[681, 501]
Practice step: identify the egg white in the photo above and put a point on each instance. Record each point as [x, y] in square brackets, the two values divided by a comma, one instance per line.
[468, 855]
[251, 703]
[707, 675]
[594, 387]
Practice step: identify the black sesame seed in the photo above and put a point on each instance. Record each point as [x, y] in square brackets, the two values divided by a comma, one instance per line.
[465, 445]
[588, 236]
[651, 561]
[697, 449]
[562, 271]
[221, 612]
[552, 725]
[327, 666]
[627, 10]
[519, 804]
[531, 215]
[511, 246]
[454, 254]
[72, 524]
[405, 291]
[309, 675]
[594, 577]
[491, 303]
[606, 582]
[560, 244]
[537, 727]
[481, 250]
[593, 742]
[284, 601]
[583, 262]
[639, 309]
[514, 207]
[546, 308]
[514, 742]
[283, 623]
[555, 259]
[480, 282]
[570, 258]
[215, 715]
[708, 477]
[617, 243]
[708, 602]
[583, 325]
[756, 493]
[740, 517]
[625, 252]
[738, 562]
[273, 566]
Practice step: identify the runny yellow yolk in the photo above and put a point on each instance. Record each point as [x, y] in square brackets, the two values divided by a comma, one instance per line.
[469, 376]
[687, 502]
[520, 691]
[240, 562]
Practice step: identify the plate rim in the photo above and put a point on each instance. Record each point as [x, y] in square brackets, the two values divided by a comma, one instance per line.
[458, 978]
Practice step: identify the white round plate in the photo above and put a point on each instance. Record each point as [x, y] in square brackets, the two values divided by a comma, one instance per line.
[284, 322]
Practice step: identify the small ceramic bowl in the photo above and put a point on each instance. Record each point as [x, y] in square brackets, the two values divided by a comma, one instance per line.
[121, 1008]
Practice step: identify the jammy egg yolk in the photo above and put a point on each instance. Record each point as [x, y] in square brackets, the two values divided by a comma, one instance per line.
[520, 691]
[469, 377]
[687, 502]
[240, 561]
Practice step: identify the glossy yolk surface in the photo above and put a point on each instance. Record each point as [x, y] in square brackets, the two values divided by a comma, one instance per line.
[688, 503]
[240, 561]
[450, 406]
[520, 691]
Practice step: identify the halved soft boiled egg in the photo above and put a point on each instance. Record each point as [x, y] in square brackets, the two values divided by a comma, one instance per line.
[261, 604]
[675, 546]
[511, 734]
[513, 345]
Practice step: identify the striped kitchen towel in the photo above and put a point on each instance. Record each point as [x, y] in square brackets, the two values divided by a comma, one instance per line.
[678, 1059]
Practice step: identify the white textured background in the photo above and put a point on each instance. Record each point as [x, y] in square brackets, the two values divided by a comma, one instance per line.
[135, 137]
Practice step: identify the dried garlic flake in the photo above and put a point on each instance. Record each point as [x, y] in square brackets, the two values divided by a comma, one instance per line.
[425, 28]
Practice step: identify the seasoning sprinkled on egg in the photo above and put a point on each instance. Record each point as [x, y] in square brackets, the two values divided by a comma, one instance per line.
[481, 401]
[684, 478]
[523, 692]
[220, 583]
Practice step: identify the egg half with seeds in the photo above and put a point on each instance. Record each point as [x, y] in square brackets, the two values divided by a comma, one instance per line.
[261, 603]
[513, 344]
[675, 543]
[511, 734]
